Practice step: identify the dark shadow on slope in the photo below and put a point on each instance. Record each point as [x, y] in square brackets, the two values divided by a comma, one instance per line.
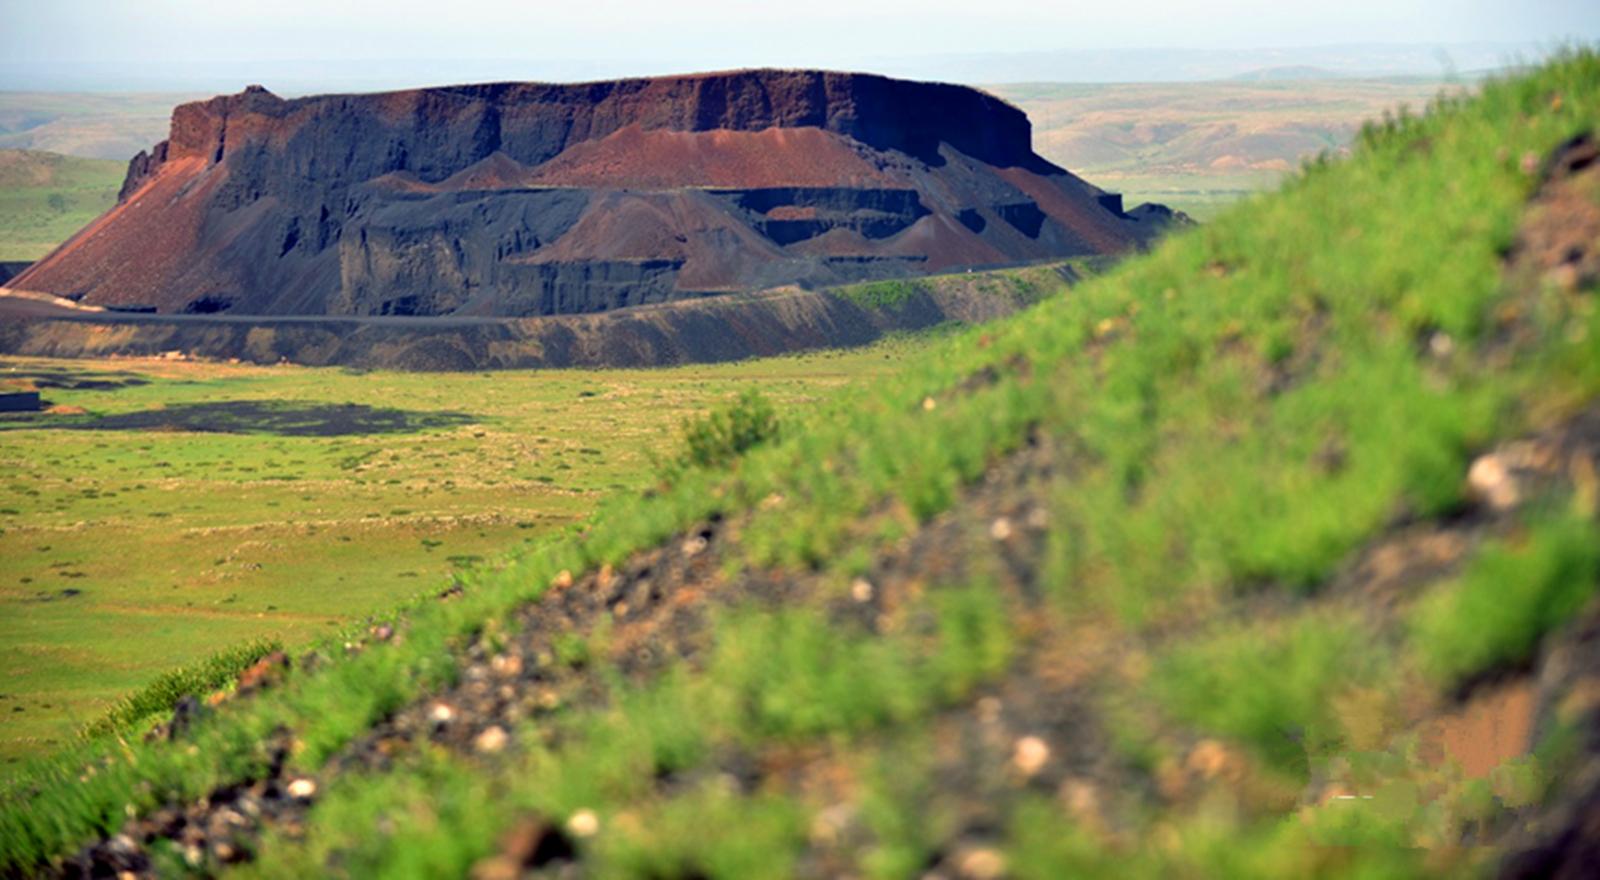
[77, 380]
[284, 418]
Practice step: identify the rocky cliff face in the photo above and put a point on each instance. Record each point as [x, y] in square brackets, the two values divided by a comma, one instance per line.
[523, 199]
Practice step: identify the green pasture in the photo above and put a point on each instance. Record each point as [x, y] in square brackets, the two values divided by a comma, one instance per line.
[192, 506]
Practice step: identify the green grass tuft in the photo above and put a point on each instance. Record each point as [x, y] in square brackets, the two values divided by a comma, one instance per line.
[884, 294]
[1513, 593]
[1273, 689]
[159, 697]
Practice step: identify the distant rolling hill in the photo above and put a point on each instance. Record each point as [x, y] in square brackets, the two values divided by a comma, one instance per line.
[113, 125]
[1201, 146]
[1287, 72]
[45, 197]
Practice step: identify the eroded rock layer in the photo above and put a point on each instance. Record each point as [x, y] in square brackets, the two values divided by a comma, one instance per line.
[520, 199]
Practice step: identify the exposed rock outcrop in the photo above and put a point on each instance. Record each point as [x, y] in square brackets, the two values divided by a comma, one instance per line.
[10, 270]
[519, 199]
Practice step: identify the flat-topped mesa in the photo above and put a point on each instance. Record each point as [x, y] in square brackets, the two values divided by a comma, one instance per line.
[525, 198]
[437, 132]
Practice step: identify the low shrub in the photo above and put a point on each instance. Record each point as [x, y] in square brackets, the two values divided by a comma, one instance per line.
[725, 434]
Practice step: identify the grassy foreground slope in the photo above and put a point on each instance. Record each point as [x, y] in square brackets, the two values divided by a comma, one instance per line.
[1201, 571]
[46, 197]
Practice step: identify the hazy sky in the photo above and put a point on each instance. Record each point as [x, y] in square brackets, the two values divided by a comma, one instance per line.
[144, 38]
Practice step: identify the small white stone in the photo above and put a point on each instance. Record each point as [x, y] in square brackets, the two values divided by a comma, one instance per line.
[302, 789]
[583, 823]
[1000, 529]
[861, 590]
[506, 665]
[492, 740]
[694, 545]
[1491, 481]
[1441, 345]
[441, 713]
[1030, 755]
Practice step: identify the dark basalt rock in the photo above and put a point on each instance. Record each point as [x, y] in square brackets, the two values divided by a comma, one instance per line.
[520, 199]
[11, 269]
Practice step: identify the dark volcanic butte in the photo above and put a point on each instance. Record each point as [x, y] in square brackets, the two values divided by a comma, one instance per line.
[526, 199]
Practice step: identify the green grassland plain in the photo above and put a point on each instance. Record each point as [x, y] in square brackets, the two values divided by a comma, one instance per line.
[46, 197]
[194, 506]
